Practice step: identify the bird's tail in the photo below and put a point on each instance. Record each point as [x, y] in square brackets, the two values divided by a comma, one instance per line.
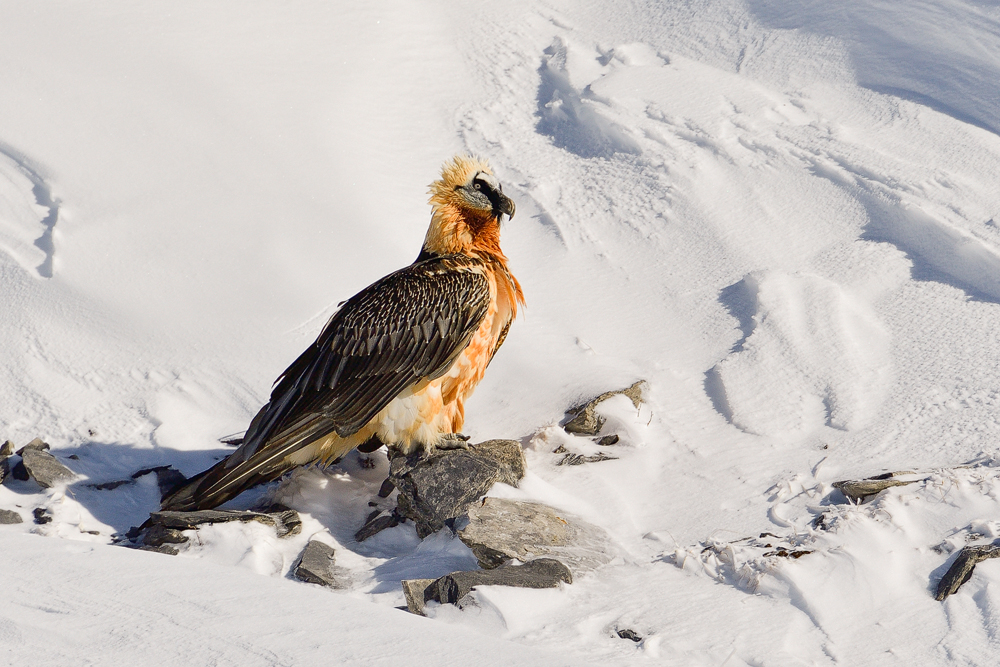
[238, 472]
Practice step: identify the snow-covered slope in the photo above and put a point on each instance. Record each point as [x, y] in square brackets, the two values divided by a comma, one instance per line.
[783, 216]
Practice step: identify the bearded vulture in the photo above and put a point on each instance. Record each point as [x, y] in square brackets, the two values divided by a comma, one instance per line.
[396, 363]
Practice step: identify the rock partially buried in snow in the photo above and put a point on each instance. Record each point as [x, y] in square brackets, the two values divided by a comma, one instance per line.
[37, 444]
[318, 565]
[9, 516]
[44, 468]
[584, 419]
[859, 491]
[413, 591]
[540, 573]
[962, 567]
[165, 528]
[7, 449]
[438, 488]
[500, 530]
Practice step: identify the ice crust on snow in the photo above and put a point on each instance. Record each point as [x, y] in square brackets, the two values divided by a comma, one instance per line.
[784, 216]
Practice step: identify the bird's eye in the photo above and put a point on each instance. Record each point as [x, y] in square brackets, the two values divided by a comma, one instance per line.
[477, 186]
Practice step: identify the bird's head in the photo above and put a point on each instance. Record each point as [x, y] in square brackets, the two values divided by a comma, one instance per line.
[468, 203]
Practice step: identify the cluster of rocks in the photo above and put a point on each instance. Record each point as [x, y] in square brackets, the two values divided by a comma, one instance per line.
[33, 461]
[584, 420]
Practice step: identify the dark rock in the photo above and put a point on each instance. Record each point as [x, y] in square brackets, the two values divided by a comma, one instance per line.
[19, 471]
[584, 420]
[158, 534]
[317, 565]
[500, 530]
[377, 522]
[386, 489]
[285, 523]
[608, 440]
[859, 491]
[36, 444]
[962, 567]
[540, 573]
[437, 488]
[107, 486]
[413, 591]
[73, 457]
[44, 468]
[7, 449]
[629, 634]
[160, 549]
[168, 478]
[9, 517]
[42, 515]
[579, 459]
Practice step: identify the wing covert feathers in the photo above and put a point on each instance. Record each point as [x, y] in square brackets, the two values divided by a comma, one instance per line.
[405, 328]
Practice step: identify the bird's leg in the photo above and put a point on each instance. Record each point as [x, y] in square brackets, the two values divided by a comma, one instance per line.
[453, 441]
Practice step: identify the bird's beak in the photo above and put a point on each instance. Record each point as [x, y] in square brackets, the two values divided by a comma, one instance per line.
[506, 205]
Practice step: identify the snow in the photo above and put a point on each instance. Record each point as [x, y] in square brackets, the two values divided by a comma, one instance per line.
[782, 216]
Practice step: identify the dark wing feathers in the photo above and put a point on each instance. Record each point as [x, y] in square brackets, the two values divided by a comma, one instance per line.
[408, 326]
[412, 324]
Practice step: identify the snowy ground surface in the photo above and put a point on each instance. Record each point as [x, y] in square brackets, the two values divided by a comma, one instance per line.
[784, 216]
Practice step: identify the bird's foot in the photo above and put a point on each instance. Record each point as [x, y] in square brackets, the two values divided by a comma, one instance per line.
[453, 441]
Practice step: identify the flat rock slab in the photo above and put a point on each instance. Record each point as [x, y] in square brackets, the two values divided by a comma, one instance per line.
[584, 420]
[438, 488]
[961, 569]
[9, 516]
[285, 523]
[500, 530]
[44, 468]
[540, 573]
[862, 490]
[36, 444]
[318, 565]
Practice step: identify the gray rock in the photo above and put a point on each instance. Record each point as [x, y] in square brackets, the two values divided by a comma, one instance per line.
[9, 517]
[862, 490]
[438, 488]
[962, 567]
[540, 573]
[37, 444]
[629, 634]
[413, 590]
[7, 449]
[571, 459]
[158, 535]
[501, 529]
[285, 523]
[42, 515]
[584, 420]
[376, 523]
[608, 440]
[43, 467]
[318, 565]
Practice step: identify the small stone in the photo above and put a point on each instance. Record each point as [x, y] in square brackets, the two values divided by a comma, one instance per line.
[107, 486]
[317, 565]
[413, 591]
[579, 459]
[36, 444]
[19, 472]
[584, 419]
[9, 516]
[285, 523]
[500, 530]
[437, 488]
[158, 534]
[376, 524]
[44, 468]
[631, 635]
[540, 573]
[42, 515]
[7, 449]
[386, 489]
[962, 567]
[859, 491]
[608, 440]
